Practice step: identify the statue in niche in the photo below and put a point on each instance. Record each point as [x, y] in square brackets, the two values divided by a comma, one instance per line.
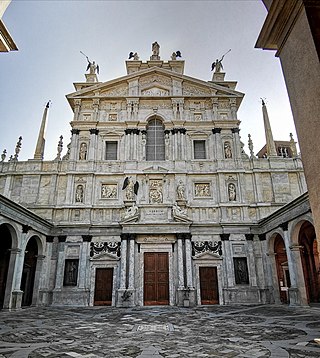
[181, 191]
[130, 187]
[227, 150]
[79, 194]
[155, 49]
[83, 151]
[241, 271]
[232, 192]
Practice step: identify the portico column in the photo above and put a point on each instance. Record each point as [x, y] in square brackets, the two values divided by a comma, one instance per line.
[60, 263]
[274, 277]
[228, 259]
[189, 261]
[13, 294]
[84, 259]
[180, 263]
[300, 295]
[37, 279]
[123, 262]
[131, 261]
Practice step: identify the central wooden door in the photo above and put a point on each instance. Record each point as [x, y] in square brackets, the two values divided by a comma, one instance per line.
[208, 285]
[156, 278]
[103, 287]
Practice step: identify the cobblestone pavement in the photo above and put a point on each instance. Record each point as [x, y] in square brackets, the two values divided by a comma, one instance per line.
[155, 332]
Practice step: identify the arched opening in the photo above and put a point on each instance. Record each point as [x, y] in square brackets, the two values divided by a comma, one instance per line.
[155, 146]
[5, 246]
[310, 261]
[282, 268]
[29, 270]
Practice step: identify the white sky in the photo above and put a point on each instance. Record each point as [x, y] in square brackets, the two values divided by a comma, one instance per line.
[51, 34]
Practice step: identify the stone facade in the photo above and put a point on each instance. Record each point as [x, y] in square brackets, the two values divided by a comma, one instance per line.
[155, 199]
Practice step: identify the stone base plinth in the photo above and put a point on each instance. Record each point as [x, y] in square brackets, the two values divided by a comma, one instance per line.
[16, 300]
[126, 297]
[70, 297]
[186, 297]
[45, 298]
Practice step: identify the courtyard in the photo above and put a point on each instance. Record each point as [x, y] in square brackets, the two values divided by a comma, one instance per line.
[161, 331]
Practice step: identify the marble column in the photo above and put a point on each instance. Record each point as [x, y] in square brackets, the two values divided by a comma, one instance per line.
[228, 259]
[180, 265]
[218, 154]
[131, 262]
[237, 144]
[143, 144]
[84, 260]
[297, 294]
[13, 294]
[189, 271]
[93, 144]
[123, 263]
[74, 144]
[37, 280]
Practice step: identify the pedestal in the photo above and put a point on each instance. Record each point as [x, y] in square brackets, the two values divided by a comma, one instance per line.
[16, 300]
[126, 297]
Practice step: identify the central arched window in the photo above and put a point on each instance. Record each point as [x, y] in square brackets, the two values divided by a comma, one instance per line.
[155, 140]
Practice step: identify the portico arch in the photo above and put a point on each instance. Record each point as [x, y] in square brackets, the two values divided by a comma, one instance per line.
[310, 261]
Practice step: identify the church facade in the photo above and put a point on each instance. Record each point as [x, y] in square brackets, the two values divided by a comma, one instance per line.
[156, 202]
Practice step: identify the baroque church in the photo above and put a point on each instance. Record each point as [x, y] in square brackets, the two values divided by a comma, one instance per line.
[156, 202]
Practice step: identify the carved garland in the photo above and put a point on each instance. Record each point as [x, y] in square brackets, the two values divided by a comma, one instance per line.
[199, 247]
[97, 248]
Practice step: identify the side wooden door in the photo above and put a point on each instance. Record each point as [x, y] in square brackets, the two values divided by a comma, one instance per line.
[209, 285]
[156, 278]
[103, 287]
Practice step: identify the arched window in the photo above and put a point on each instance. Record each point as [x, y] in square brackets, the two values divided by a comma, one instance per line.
[155, 148]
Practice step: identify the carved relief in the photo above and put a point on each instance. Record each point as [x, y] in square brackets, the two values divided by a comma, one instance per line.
[86, 117]
[190, 90]
[181, 191]
[232, 193]
[197, 117]
[109, 191]
[155, 104]
[202, 190]
[117, 91]
[144, 81]
[155, 191]
[155, 91]
[223, 104]
[199, 247]
[113, 117]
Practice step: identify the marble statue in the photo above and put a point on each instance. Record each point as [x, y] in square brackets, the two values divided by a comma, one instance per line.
[232, 192]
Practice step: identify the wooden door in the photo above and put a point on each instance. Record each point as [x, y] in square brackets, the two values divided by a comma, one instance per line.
[103, 287]
[156, 278]
[209, 285]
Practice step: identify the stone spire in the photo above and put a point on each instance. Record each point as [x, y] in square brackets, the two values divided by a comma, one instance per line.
[270, 146]
[39, 152]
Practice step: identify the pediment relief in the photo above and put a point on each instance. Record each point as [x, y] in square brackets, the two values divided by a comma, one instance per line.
[116, 91]
[193, 90]
[209, 256]
[105, 257]
[155, 91]
[155, 79]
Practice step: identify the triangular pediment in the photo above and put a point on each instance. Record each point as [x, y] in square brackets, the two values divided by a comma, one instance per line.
[207, 255]
[156, 82]
[105, 256]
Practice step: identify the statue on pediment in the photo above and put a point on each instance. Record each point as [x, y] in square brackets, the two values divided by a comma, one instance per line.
[217, 64]
[155, 49]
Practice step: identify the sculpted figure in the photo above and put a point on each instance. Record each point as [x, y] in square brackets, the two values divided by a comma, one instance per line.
[232, 192]
[131, 212]
[79, 194]
[92, 67]
[83, 151]
[155, 49]
[227, 150]
[181, 191]
[130, 187]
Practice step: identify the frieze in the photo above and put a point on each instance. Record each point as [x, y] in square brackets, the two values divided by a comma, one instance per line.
[144, 81]
[189, 90]
[97, 248]
[155, 91]
[199, 247]
[202, 190]
[155, 104]
[117, 91]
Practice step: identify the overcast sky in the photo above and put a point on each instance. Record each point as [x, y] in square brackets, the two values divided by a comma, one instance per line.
[51, 34]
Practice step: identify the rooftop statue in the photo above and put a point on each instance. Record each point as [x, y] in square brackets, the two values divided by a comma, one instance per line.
[217, 64]
[92, 66]
[175, 55]
[155, 49]
[133, 55]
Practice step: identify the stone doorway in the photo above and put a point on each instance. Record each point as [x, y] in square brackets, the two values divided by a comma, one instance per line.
[29, 271]
[103, 287]
[5, 246]
[156, 278]
[310, 261]
[209, 291]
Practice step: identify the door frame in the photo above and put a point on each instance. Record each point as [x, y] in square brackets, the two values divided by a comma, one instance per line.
[208, 260]
[160, 247]
[216, 273]
[103, 261]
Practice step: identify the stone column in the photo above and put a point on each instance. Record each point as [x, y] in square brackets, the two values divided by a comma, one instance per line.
[167, 144]
[57, 296]
[93, 144]
[131, 262]
[13, 294]
[237, 144]
[251, 263]
[95, 106]
[174, 131]
[228, 261]
[123, 263]
[74, 144]
[127, 132]
[180, 264]
[44, 290]
[84, 260]
[274, 276]
[218, 153]
[189, 271]
[37, 280]
[183, 144]
[143, 143]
